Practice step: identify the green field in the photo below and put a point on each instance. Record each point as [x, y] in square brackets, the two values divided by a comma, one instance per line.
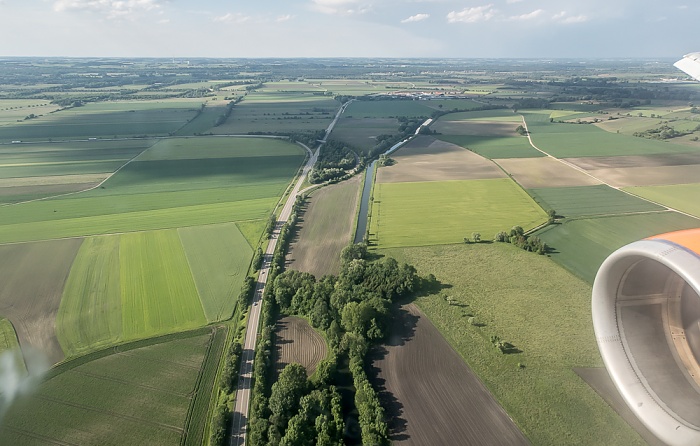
[578, 201]
[493, 147]
[158, 292]
[205, 120]
[224, 179]
[8, 337]
[581, 246]
[580, 140]
[361, 133]
[90, 314]
[389, 109]
[543, 310]
[683, 197]
[218, 256]
[106, 119]
[135, 397]
[138, 221]
[230, 147]
[279, 113]
[440, 212]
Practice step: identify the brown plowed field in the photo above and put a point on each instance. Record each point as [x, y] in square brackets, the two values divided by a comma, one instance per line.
[544, 172]
[428, 159]
[297, 341]
[326, 228]
[32, 276]
[432, 396]
[476, 128]
[649, 176]
[610, 162]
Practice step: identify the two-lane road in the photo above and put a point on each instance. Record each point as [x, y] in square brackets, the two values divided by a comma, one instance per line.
[245, 380]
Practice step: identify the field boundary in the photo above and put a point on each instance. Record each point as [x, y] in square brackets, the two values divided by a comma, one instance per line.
[585, 172]
[203, 393]
[120, 348]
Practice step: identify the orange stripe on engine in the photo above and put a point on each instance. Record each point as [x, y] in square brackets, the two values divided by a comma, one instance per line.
[689, 238]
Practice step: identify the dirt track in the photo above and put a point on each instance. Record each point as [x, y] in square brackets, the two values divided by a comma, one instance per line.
[32, 276]
[428, 159]
[431, 395]
[298, 342]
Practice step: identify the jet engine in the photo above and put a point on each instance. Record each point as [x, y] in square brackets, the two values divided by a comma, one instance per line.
[646, 317]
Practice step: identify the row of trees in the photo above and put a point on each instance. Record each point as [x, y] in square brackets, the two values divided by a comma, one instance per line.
[516, 236]
[262, 368]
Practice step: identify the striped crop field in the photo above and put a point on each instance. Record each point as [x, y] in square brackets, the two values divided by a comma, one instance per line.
[158, 292]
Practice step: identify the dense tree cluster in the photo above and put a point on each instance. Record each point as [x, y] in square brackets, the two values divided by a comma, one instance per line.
[335, 160]
[353, 311]
[664, 131]
[516, 236]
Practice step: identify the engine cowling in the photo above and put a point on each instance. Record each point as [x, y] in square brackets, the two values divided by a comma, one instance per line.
[646, 317]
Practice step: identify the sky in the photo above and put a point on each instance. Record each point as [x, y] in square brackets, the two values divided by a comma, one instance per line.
[350, 28]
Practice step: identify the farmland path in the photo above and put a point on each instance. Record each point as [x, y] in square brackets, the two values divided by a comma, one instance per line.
[239, 421]
[587, 173]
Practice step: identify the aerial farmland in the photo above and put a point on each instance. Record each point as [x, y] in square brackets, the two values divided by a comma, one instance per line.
[154, 225]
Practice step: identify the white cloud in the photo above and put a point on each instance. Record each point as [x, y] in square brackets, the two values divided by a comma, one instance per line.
[416, 18]
[472, 15]
[566, 18]
[340, 7]
[284, 18]
[529, 16]
[510, 2]
[113, 9]
[232, 17]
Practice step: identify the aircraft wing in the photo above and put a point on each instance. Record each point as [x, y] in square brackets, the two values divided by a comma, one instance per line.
[690, 64]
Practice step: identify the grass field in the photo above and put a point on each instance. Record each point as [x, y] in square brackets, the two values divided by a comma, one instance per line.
[580, 201]
[541, 309]
[494, 147]
[326, 228]
[8, 337]
[578, 140]
[125, 287]
[158, 292]
[683, 197]
[218, 256]
[581, 246]
[90, 314]
[138, 221]
[440, 212]
[136, 397]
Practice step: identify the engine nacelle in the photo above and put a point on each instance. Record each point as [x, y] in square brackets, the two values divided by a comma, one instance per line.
[646, 317]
